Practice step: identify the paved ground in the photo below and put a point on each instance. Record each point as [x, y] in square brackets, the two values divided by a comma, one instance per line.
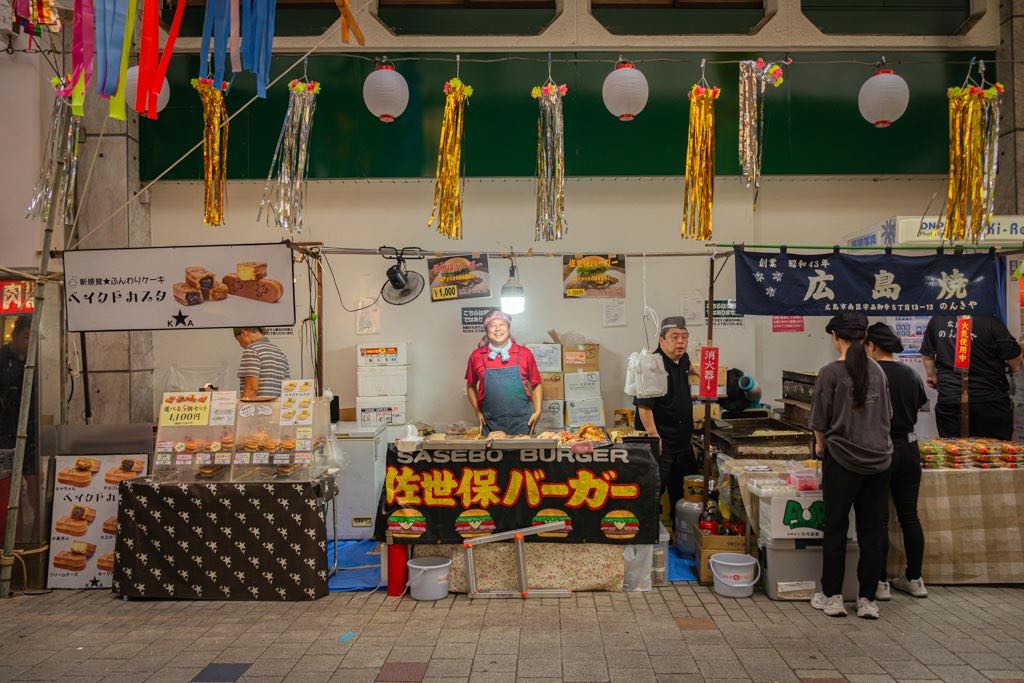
[682, 633]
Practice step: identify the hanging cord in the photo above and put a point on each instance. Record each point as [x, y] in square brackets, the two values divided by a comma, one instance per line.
[648, 311]
[338, 290]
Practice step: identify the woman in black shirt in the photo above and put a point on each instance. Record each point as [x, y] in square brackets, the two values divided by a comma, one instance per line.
[907, 393]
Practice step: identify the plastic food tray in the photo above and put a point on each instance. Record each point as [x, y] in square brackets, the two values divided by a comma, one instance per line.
[516, 444]
[454, 444]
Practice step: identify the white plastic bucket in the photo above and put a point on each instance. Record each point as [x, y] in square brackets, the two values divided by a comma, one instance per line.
[428, 577]
[735, 574]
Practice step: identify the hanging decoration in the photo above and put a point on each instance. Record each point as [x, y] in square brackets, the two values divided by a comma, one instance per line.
[551, 224]
[215, 29]
[386, 93]
[111, 18]
[699, 189]
[973, 153]
[257, 27]
[884, 97]
[215, 150]
[35, 15]
[448, 190]
[131, 81]
[151, 73]
[115, 107]
[82, 50]
[54, 190]
[284, 195]
[625, 91]
[754, 79]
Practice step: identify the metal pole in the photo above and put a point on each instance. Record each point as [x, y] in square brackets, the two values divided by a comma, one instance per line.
[27, 380]
[707, 403]
[965, 408]
[319, 326]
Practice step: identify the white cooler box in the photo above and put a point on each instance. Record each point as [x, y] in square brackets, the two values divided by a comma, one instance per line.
[380, 410]
[792, 568]
[385, 380]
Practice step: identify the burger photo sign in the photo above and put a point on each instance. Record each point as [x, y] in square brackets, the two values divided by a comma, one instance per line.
[586, 276]
[459, 277]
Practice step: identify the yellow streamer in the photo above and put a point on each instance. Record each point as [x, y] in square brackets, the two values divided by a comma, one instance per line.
[215, 150]
[448, 189]
[973, 140]
[699, 188]
[116, 106]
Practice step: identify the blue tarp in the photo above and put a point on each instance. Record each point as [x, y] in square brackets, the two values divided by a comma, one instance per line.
[679, 568]
[354, 554]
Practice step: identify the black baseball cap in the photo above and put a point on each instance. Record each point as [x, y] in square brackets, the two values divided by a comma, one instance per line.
[848, 321]
[884, 338]
[675, 322]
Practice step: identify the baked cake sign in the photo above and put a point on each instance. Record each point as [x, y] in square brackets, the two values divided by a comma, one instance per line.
[179, 288]
[85, 499]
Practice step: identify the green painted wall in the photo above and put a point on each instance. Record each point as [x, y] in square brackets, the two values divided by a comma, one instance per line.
[812, 126]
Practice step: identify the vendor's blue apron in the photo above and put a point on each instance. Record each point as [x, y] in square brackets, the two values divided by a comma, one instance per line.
[506, 407]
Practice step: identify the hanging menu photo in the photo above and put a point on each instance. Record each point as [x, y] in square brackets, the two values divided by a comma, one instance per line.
[597, 276]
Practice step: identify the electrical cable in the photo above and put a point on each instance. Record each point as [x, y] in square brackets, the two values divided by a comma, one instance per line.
[338, 290]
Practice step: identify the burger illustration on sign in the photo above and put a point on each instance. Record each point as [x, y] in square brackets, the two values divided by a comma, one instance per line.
[620, 525]
[407, 523]
[591, 272]
[474, 523]
[553, 515]
[458, 271]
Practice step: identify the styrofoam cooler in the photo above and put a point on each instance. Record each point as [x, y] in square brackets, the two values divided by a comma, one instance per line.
[385, 380]
[360, 483]
[792, 568]
[381, 410]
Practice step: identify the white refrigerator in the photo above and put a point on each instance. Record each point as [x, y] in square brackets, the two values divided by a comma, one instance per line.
[364, 449]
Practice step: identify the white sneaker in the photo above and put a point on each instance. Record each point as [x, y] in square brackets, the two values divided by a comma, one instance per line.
[883, 593]
[912, 587]
[831, 605]
[867, 609]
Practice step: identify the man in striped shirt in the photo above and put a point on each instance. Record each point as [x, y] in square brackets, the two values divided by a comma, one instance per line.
[263, 366]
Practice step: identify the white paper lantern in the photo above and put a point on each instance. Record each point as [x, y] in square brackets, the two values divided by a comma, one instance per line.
[386, 93]
[883, 98]
[131, 88]
[625, 91]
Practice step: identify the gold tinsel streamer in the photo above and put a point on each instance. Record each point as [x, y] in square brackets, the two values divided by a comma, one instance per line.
[973, 149]
[215, 150]
[448, 188]
[699, 189]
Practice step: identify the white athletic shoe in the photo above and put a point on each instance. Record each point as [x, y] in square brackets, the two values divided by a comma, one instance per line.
[867, 609]
[915, 587]
[883, 593]
[831, 605]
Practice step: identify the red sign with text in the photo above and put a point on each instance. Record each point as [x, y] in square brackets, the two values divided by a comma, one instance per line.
[962, 348]
[787, 323]
[708, 372]
[16, 296]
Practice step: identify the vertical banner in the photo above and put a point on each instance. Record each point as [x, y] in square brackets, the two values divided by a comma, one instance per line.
[708, 372]
[962, 360]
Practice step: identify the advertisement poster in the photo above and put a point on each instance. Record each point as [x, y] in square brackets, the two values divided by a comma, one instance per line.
[85, 498]
[594, 276]
[473, 318]
[437, 496]
[18, 296]
[179, 288]
[787, 323]
[296, 402]
[458, 277]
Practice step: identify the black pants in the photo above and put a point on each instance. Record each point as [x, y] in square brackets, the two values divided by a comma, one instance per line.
[905, 484]
[868, 495]
[992, 419]
[675, 462]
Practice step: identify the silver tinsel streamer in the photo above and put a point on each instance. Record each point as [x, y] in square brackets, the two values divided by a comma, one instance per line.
[55, 187]
[551, 223]
[285, 192]
[990, 158]
[752, 87]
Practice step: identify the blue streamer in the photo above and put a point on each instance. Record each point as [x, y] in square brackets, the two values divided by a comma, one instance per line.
[100, 17]
[216, 25]
[258, 40]
[117, 15]
[245, 28]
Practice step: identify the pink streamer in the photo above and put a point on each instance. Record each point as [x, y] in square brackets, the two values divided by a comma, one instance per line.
[233, 40]
[83, 46]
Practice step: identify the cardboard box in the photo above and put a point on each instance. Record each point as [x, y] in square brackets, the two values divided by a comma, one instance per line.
[798, 515]
[698, 412]
[369, 355]
[585, 411]
[582, 385]
[710, 545]
[552, 417]
[548, 356]
[380, 410]
[722, 375]
[583, 357]
[624, 418]
[382, 380]
[554, 388]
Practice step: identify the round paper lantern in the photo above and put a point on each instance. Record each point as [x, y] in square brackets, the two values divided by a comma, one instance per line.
[625, 91]
[883, 98]
[131, 87]
[386, 93]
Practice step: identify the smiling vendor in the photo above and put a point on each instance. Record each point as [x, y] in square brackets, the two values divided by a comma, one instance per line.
[503, 382]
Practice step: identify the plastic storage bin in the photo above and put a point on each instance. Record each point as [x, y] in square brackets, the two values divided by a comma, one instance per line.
[792, 568]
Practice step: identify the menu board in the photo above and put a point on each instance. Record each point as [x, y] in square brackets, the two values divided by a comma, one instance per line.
[296, 402]
[589, 276]
[459, 277]
[85, 498]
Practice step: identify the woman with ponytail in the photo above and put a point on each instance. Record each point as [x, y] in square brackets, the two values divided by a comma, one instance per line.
[850, 415]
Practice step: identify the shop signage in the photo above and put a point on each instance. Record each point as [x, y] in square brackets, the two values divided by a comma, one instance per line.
[85, 498]
[787, 323]
[183, 409]
[708, 372]
[179, 288]
[296, 403]
[594, 276]
[725, 314]
[770, 283]
[962, 359]
[446, 496]
[18, 296]
[459, 277]
[473, 318]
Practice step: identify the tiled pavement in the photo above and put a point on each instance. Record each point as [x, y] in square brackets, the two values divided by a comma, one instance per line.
[681, 633]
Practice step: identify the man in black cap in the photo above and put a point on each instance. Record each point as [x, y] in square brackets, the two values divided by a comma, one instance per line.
[670, 417]
[993, 352]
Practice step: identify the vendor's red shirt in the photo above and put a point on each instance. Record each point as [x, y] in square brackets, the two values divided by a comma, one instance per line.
[479, 363]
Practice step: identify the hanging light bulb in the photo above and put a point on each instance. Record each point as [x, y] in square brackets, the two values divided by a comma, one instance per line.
[131, 87]
[884, 97]
[625, 91]
[513, 294]
[385, 93]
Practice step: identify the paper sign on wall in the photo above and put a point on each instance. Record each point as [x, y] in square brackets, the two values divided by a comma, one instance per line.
[85, 498]
[473, 318]
[183, 409]
[459, 277]
[787, 323]
[594, 276]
